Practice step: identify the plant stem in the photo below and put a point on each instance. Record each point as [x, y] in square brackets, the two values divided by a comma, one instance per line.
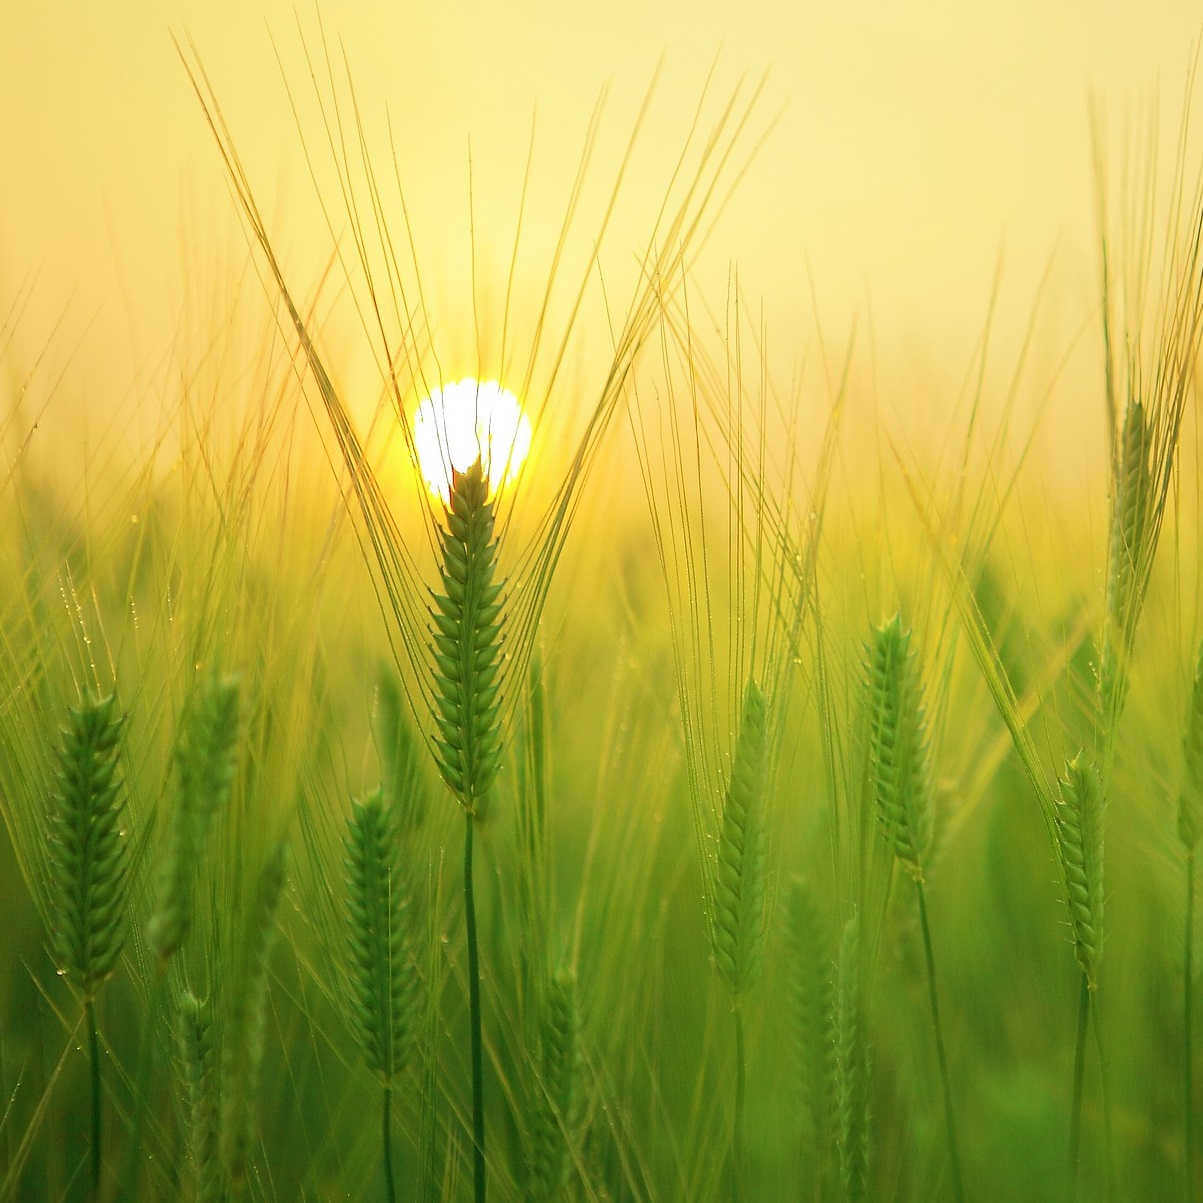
[1106, 1093]
[386, 1126]
[737, 1135]
[949, 1115]
[1075, 1115]
[478, 1083]
[132, 1166]
[94, 1050]
[1187, 1078]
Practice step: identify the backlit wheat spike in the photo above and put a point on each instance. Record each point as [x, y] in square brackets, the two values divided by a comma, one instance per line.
[739, 886]
[204, 761]
[1190, 800]
[383, 998]
[198, 1071]
[810, 1011]
[467, 634]
[555, 1105]
[89, 857]
[851, 1057]
[1130, 505]
[1079, 825]
[244, 1041]
[897, 745]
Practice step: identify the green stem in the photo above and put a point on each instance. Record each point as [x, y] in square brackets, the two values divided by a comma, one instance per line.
[949, 1114]
[386, 1125]
[94, 1050]
[132, 1166]
[478, 1076]
[737, 1135]
[1187, 1082]
[1105, 1090]
[1075, 1115]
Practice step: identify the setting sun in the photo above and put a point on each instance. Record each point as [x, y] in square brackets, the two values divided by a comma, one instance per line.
[468, 420]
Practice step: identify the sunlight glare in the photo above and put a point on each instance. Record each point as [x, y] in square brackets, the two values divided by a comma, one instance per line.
[466, 420]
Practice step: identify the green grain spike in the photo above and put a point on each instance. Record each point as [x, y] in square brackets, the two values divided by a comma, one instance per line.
[466, 696]
[89, 859]
[738, 929]
[851, 1063]
[1078, 820]
[198, 1073]
[383, 982]
[898, 745]
[554, 1114]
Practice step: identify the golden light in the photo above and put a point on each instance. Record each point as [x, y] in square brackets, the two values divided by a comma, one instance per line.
[468, 420]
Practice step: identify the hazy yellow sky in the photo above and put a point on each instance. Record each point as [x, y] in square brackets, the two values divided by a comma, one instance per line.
[917, 141]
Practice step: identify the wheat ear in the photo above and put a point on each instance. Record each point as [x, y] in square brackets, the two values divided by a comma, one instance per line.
[383, 995]
[88, 883]
[555, 1104]
[198, 1072]
[244, 1042]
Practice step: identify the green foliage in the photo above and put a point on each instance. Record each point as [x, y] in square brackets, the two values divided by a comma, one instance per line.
[89, 859]
[205, 759]
[898, 745]
[467, 636]
[1079, 827]
[383, 1001]
[402, 788]
[738, 929]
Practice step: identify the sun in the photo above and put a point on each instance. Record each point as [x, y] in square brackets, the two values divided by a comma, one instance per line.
[467, 420]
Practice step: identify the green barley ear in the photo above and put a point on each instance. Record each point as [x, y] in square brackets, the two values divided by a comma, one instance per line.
[401, 784]
[198, 1071]
[1078, 820]
[384, 997]
[555, 1107]
[1190, 800]
[851, 1058]
[467, 634]
[244, 1042]
[89, 857]
[204, 761]
[1130, 513]
[738, 930]
[810, 1023]
[898, 745]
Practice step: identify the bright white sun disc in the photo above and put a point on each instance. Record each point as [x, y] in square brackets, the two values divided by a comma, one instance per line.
[467, 420]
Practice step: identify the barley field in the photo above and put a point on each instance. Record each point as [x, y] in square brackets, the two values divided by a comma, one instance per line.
[509, 690]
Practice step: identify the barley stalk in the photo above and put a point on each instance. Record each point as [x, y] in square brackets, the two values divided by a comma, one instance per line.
[1190, 816]
[851, 1063]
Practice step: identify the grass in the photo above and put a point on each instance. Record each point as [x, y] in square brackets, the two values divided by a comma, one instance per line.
[680, 957]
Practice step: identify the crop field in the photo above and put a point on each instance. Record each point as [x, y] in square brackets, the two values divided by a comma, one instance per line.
[527, 721]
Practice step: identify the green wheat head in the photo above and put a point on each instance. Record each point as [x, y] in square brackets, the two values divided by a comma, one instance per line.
[89, 857]
[1132, 500]
[555, 1104]
[1078, 820]
[851, 1059]
[198, 1074]
[738, 928]
[204, 761]
[467, 634]
[1190, 800]
[898, 745]
[384, 985]
[810, 1020]
[244, 1041]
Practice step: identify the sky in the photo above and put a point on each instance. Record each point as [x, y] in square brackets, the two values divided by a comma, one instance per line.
[914, 148]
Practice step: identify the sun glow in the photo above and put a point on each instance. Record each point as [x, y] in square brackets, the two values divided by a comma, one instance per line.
[468, 420]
